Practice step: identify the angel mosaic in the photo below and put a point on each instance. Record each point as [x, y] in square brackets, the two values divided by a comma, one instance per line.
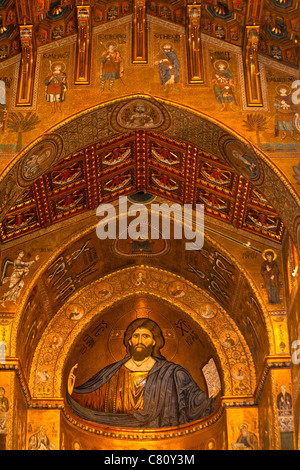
[20, 269]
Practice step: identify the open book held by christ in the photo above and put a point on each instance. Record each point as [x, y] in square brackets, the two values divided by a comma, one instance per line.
[212, 378]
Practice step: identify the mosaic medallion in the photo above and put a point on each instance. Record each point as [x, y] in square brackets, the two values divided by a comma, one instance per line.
[140, 114]
[39, 159]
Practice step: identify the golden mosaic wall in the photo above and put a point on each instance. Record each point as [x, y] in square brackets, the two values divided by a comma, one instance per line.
[40, 342]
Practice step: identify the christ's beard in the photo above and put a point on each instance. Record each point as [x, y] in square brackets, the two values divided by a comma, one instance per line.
[140, 352]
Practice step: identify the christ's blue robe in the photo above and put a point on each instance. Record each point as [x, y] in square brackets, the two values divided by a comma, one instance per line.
[171, 398]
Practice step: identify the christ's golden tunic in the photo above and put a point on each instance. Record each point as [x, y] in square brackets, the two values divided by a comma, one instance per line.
[123, 393]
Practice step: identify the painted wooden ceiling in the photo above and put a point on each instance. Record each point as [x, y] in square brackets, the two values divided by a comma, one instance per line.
[141, 161]
[279, 21]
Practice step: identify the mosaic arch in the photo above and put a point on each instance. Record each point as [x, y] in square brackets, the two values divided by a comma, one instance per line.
[141, 280]
[80, 240]
[143, 116]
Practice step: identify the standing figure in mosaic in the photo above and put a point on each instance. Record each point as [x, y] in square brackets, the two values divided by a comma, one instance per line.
[286, 112]
[111, 67]
[56, 86]
[223, 82]
[270, 273]
[168, 64]
[284, 399]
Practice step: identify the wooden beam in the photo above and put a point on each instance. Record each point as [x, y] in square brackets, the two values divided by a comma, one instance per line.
[28, 54]
[139, 33]
[193, 42]
[83, 52]
[254, 11]
[27, 66]
[250, 53]
[251, 67]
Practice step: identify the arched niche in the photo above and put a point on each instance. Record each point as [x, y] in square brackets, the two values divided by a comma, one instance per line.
[35, 312]
[101, 311]
[62, 333]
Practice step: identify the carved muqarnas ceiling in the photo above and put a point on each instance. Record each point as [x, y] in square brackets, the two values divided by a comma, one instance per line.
[140, 161]
[226, 20]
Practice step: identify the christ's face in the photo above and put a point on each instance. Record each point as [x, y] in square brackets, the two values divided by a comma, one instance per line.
[142, 336]
[141, 343]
